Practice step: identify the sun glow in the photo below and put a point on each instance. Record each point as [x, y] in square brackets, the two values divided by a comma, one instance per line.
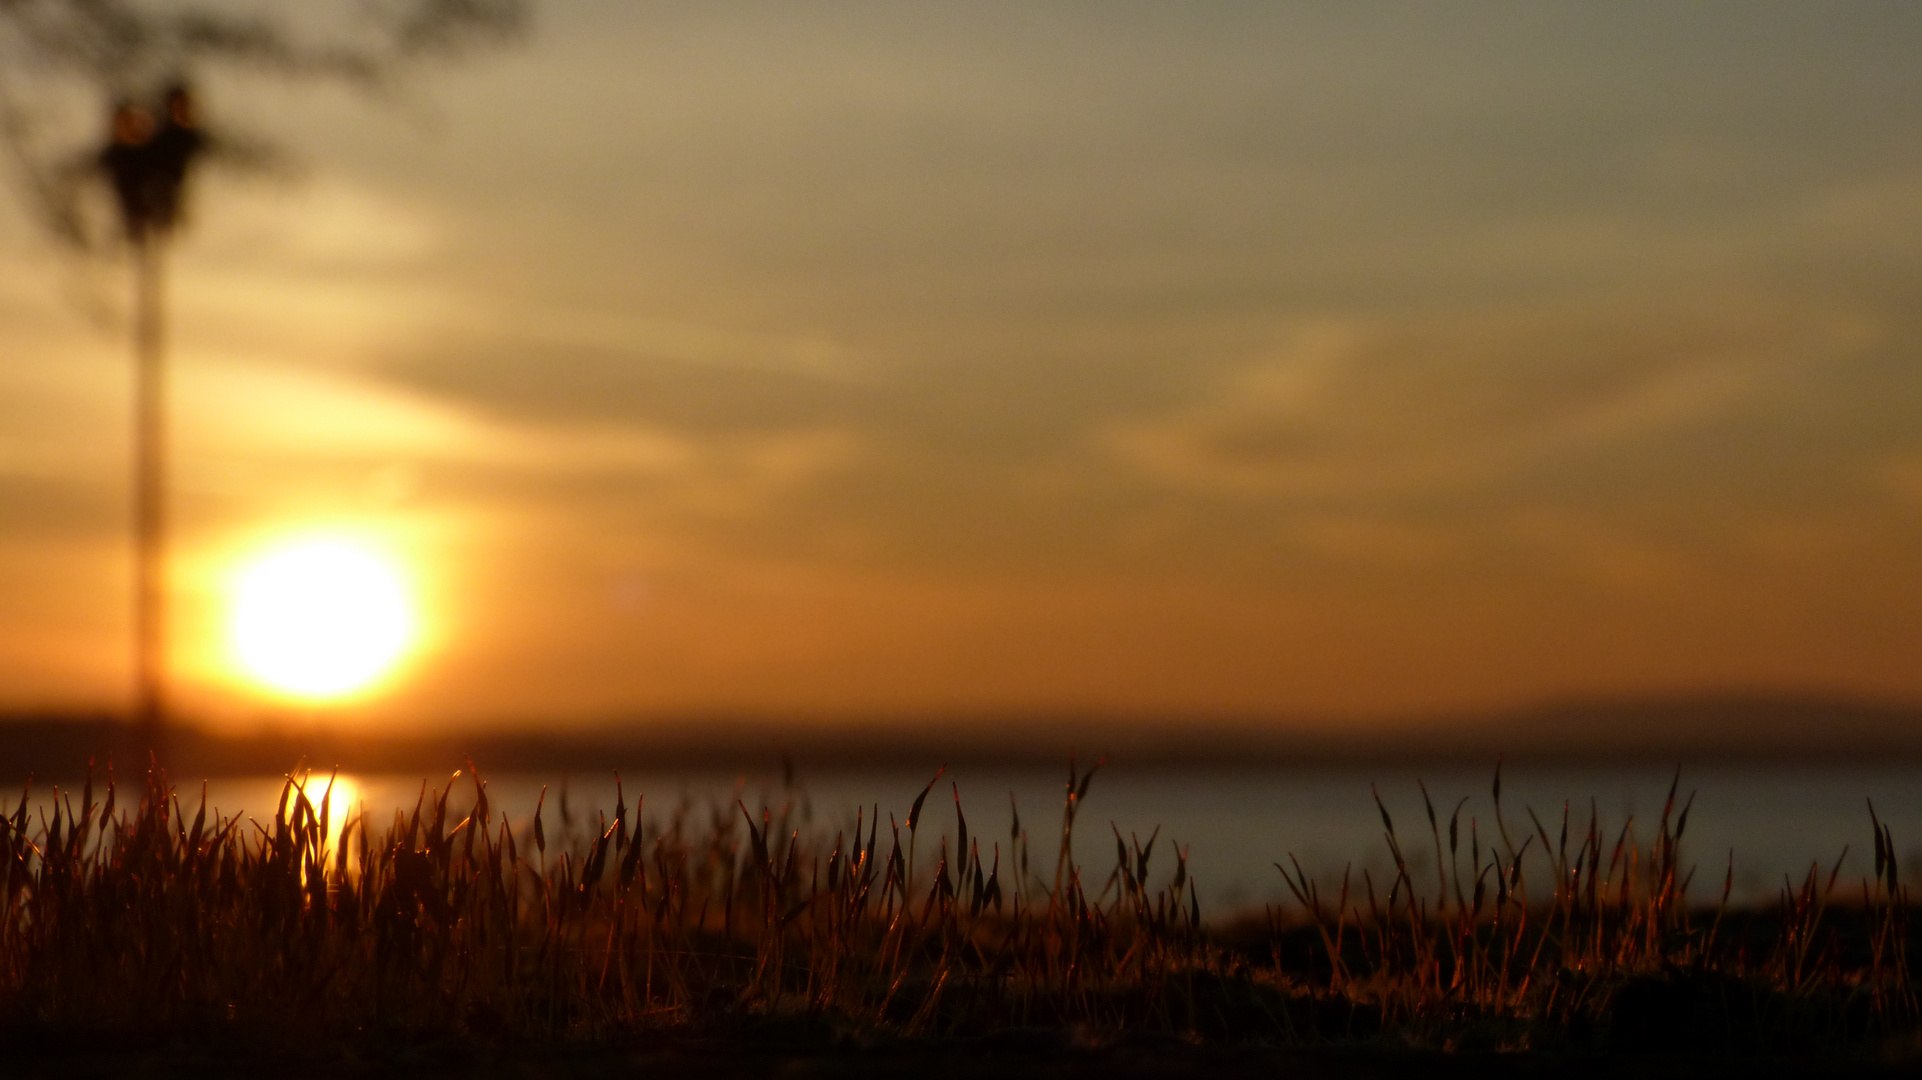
[321, 619]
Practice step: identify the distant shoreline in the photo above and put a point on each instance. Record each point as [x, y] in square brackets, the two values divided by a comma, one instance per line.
[1697, 731]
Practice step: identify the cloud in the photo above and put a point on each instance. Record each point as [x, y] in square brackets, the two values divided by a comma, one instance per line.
[235, 411]
[231, 407]
[326, 221]
[1600, 551]
[539, 328]
[733, 475]
[1355, 411]
[1880, 213]
[1374, 539]
[1901, 476]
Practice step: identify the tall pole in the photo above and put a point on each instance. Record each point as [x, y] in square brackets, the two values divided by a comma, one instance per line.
[148, 164]
[149, 495]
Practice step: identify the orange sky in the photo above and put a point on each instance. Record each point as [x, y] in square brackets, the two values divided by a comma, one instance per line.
[1151, 360]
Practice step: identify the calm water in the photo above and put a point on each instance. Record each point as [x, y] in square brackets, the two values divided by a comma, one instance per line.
[1237, 823]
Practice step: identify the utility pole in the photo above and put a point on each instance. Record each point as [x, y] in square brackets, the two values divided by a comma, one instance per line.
[150, 493]
[148, 159]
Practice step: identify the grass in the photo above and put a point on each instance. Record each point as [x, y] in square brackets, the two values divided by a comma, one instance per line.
[149, 918]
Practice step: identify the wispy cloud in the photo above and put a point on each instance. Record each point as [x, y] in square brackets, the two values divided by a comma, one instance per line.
[324, 221]
[538, 328]
[270, 417]
[1900, 476]
[1365, 412]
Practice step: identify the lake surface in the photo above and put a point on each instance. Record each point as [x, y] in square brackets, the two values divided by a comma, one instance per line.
[1236, 823]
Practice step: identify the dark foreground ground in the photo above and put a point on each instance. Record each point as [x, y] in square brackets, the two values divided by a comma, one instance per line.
[1012, 1055]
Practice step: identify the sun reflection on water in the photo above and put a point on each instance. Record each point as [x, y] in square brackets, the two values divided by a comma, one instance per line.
[335, 800]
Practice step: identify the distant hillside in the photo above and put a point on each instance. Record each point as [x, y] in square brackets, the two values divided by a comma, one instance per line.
[1715, 727]
[1697, 729]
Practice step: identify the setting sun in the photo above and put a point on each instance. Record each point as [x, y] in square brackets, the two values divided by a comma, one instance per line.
[321, 619]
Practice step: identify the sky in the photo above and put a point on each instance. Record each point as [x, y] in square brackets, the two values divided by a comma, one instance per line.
[1299, 363]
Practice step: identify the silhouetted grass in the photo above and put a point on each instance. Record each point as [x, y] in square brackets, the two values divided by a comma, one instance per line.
[167, 921]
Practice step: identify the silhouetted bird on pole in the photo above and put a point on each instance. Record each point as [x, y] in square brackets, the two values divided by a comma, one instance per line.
[148, 160]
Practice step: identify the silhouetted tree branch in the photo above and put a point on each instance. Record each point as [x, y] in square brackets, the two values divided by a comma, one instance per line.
[64, 62]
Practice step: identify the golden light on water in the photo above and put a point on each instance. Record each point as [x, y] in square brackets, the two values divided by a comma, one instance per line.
[322, 619]
[340, 797]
